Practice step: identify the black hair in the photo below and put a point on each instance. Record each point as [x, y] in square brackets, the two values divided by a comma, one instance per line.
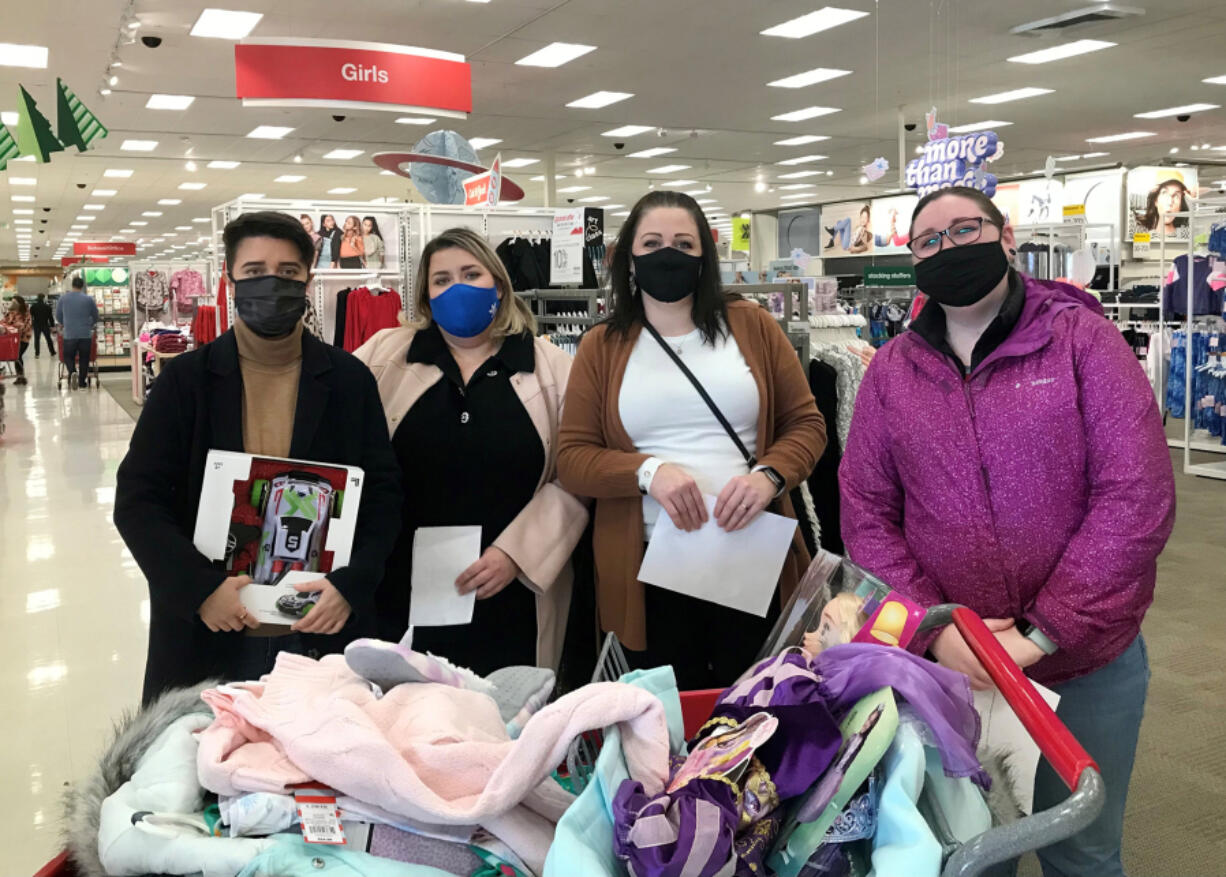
[42, 296]
[78, 282]
[1152, 217]
[267, 224]
[20, 304]
[710, 307]
[374, 226]
[326, 216]
[983, 201]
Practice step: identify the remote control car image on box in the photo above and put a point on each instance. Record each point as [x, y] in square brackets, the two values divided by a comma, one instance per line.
[296, 507]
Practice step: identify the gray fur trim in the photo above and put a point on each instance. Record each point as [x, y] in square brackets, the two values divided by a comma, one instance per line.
[133, 734]
[1002, 801]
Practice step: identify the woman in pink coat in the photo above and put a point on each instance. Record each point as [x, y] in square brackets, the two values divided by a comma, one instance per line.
[1007, 453]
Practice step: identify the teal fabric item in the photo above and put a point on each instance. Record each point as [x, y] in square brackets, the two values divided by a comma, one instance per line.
[583, 843]
[904, 845]
[294, 857]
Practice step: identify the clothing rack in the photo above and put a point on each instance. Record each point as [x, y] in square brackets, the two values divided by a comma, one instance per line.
[584, 305]
[788, 301]
[1207, 211]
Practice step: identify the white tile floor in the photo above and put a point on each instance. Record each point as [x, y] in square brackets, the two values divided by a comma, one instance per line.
[73, 605]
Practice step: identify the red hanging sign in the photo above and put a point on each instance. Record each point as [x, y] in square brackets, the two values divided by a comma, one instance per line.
[348, 74]
[483, 190]
[68, 261]
[104, 248]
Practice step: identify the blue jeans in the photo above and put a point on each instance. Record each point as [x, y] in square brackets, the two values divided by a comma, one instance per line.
[1104, 711]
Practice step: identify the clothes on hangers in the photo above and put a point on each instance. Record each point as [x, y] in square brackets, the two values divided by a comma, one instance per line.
[1208, 281]
[367, 311]
[187, 285]
[152, 290]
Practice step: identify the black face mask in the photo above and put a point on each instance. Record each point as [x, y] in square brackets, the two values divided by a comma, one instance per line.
[270, 306]
[961, 276]
[668, 274]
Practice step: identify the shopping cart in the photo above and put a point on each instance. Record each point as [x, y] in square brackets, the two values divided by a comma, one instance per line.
[10, 349]
[64, 373]
[1071, 762]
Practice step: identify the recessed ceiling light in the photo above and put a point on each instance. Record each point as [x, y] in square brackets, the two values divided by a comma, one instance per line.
[1176, 111]
[102, 193]
[611, 206]
[521, 162]
[251, 196]
[118, 173]
[86, 217]
[343, 154]
[599, 99]
[483, 142]
[1115, 138]
[269, 132]
[1006, 96]
[1095, 154]
[415, 120]
[9, 117]
[170, 202]
[138, 222]
[652, 153]
[809, 77]
[192, 187]
[628, 131]
[1215, 80]
[183, 228]
[572, 189]
[555, 55]
[289, 178]
[541, 179]
[802, 159]
[23, 222]
[93, 207]
[22, 212]
[23, 181]
[815, 22]
[802, 140]
[152, 213]
[14, 55]
[23, 198]
[139, 145]
[792, 186]
[343, 190]
[669, 169]
[979, 126]
[219, 165]
[800, 175]
[202, 219]
[225, 24]
[706, 201]
[169, 101]
[806, 113]
[591, 199]
[1057, 53]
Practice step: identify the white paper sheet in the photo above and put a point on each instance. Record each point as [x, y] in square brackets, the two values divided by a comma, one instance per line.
[738, 570]
[1003, 734]
[440, 554]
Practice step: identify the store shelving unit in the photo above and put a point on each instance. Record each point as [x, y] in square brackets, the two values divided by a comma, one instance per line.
[788, 301]
[114, 330]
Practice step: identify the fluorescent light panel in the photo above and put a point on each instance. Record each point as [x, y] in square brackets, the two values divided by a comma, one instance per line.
[806, 113]
[628, 131]
[289, 178]
[220, 165]
[591, 199]
[139, 145]
[1004, 97]
[979, 126]
[192, 187]
[269, 132]
[599, 99]
[809, 77]
[343, 190]
[251, 196]
[1059, 53]
[1215, 80]
[669, 169]
[483, 142]
[800, 175]
[1116, 138]
[169, 101]
[802, 140]
[169, 202]
[803, 159]
[1176, 111]
[415, 120]
[115, 173]
[17, 55]
[555, 55]
[815, 22]
[571, 189]
[152, 213]
[652, 153]
[27, 199]
[23, 181]
[225, 24]
[344, 154]
[521, 162]
[792, 186]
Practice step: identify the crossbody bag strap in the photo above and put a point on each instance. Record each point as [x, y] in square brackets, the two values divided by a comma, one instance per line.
[719, 415]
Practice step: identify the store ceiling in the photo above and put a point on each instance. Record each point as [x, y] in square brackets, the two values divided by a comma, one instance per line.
[697, 68]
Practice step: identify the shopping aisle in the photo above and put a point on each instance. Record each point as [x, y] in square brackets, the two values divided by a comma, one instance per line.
[73, 608]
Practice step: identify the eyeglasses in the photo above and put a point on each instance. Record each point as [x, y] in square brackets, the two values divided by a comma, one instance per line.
[961, 233]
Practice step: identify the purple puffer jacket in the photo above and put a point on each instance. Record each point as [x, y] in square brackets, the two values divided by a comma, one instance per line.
[1039, 488]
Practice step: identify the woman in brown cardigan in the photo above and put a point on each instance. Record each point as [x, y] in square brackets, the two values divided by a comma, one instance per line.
[638, 438]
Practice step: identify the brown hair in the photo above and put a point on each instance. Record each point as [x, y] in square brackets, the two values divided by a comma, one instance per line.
[983, 201]
[514, 317]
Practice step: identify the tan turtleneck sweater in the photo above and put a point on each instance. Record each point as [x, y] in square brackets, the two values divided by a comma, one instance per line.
[271, 368]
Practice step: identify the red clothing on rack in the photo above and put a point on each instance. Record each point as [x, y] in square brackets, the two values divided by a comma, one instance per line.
[204, 325]
[367, 313]
[223, 313]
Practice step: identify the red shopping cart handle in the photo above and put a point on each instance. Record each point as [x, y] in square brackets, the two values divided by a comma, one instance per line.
[1058, 745]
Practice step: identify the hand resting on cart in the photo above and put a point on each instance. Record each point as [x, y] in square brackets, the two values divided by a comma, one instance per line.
[952, 651]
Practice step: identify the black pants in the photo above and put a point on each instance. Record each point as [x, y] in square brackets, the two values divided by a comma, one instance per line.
[77, 350]
[41, 332]
[21, 352]
[708, 645]
[352, 262]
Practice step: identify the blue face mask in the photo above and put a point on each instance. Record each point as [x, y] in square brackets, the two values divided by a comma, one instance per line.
[465, 311]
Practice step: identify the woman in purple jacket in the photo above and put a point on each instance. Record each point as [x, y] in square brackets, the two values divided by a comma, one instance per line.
[1007, 453]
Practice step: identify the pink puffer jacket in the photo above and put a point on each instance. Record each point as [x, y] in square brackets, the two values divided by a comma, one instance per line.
[1039, 488]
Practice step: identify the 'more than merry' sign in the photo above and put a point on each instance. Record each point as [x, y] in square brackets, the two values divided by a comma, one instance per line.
[954, 161]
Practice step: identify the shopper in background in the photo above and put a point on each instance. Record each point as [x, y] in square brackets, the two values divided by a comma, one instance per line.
[328, 248]
[17, 321]
[639, 438]
[353, 250]
[77, 314]
[265, 387]
[43, 317]
[372, 240]
[473, 401]
[1007, 453]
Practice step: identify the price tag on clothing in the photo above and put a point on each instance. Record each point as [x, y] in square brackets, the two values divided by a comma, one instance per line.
[319, 816]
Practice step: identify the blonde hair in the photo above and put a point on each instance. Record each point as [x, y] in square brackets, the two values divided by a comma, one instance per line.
[514, 317]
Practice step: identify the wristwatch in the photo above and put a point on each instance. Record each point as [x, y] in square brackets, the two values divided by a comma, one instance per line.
[1038, 637]
[647, 473]
[775, 478]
